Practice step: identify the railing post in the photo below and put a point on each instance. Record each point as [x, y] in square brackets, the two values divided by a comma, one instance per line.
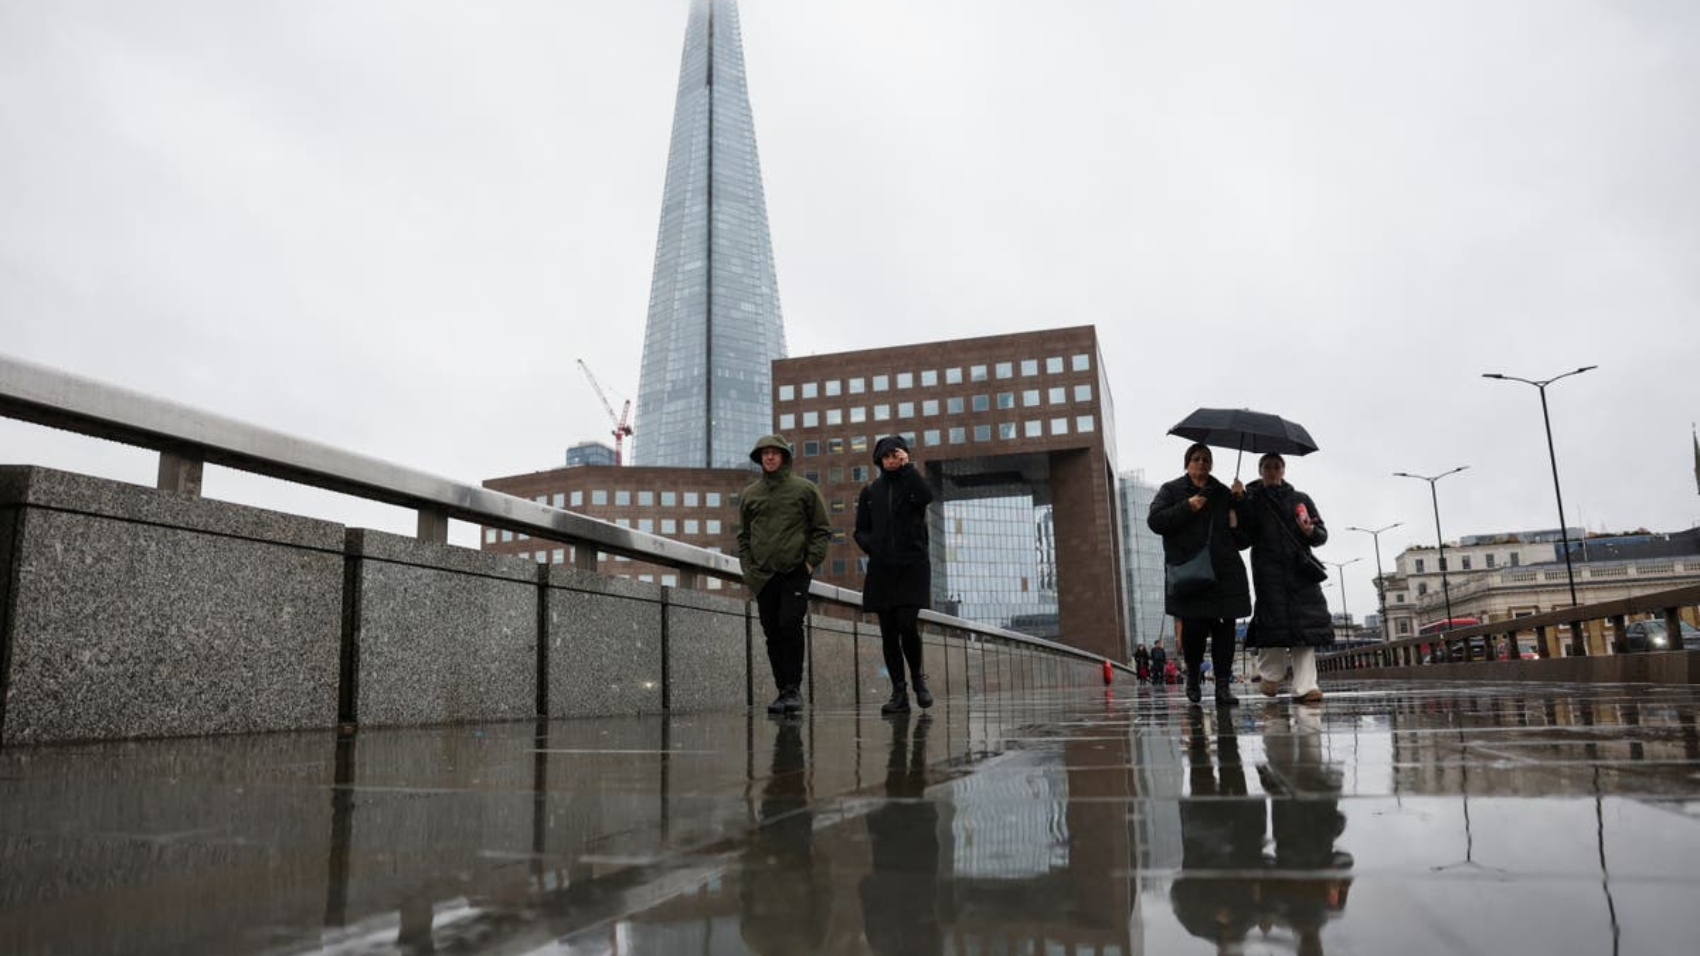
[1620, 635]
[179, 473]
[1578, 640]
[433, 526]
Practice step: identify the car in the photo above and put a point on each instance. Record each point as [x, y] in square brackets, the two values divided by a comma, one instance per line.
[1652, 636]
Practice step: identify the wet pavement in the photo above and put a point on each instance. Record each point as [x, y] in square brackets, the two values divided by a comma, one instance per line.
[1396, 817]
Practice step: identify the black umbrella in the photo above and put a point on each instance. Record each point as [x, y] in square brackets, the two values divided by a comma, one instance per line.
[1245, 430]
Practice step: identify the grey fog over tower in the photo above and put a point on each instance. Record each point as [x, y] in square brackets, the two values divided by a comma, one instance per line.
[714, 328]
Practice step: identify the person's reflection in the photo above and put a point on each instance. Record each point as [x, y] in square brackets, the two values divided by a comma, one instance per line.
[1216, 894]
[784, 901]
[899, 911]
[1309, 877]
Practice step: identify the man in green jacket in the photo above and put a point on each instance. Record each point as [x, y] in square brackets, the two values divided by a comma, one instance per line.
[783, 534]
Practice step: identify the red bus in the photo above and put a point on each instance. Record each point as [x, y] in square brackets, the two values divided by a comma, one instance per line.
[1447, 624]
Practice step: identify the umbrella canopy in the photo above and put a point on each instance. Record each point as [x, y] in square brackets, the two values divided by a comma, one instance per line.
[1245, 430]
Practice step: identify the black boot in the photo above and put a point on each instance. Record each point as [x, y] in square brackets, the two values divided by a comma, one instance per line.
[778, 705]
[792, 700]
[923, 696]
[1224, 689]
[1194, 690]
[899, 702]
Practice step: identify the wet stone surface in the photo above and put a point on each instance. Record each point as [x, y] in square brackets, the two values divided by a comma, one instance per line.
[1393, 818]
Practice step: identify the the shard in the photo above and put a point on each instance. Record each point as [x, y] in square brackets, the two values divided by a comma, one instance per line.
[714, 324]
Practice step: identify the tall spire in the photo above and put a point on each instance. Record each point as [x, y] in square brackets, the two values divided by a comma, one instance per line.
[714, 327]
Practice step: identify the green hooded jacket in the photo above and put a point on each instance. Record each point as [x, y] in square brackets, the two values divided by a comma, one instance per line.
[782, 521]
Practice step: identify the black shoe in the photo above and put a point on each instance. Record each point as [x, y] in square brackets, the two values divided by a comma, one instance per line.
[899, 702]
[923, 696]
[790, 701]
[1225, 696]
[1193, 691]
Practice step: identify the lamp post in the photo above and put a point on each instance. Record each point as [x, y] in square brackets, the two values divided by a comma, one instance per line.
[1340, 573]
[1434, 498]
[1563, 532]
[1380, 583]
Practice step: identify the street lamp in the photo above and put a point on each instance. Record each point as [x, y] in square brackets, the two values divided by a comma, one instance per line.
[1563, 532]
[1340, 573]
[1380, 583]
[1445, 589]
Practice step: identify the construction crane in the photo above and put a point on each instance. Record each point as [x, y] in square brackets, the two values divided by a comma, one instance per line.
[622, 422]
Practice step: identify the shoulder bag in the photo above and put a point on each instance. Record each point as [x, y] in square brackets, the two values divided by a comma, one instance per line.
[1196, 575]
[1307, 567]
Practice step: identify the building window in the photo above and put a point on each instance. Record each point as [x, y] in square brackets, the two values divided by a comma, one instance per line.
[690, 499]
[930, 436]
[712, 499]
[976, 373]
[835, 416]
[835, 474]
[1029, 367]
[787, 422]
[837, 565]
[1059, 426]
[646, 525]
[811, 419]
[810, 390]
[1059, 395]
[1490, 560]
[691, 526]
[598, 496]
[929, 378]
[858, 386]
[953, 405]
[958, 435]
[834, 388]
[1404, 627]
[560, 500]
[982, 433]
[882, 383]
[646, 499]
[858, 443]
[982, 403]
[836, 506]
[489, 535]
[1006, 430]
[905, 380]
[669, 499]
[1053, 365]
[577, 499]
[1082, 363]
[1084, 423]
[1466, 562]
[1083, 393]
[882, 413]
[622, 498]
[905, 409]
[1422, 588]
[1006, 400]
[811, 448]
[1030, 398]
[787, 393]
[558, 555]
[953, 376]
[835, 446]
[1004, 370]
[929, 406]
[669, 526]
[712, 525]
[1033, 429]
[858, 415]
[1419, 565]
[1516, 559]
[859, 473]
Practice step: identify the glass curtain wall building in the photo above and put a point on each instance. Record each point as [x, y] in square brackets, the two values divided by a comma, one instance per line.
[714, 326]
[1142, 563]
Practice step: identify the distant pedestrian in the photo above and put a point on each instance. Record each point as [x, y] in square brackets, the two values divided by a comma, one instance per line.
[891, 528]
[1292, 619]
[1141, 663]
[1193, 513]
[783, 533]
[1159, 658]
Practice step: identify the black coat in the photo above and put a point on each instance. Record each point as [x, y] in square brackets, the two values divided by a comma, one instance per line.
[1291, 612]
[1184, 531]
[891, 528]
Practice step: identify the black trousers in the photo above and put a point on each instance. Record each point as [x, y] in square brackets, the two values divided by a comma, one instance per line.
[783, 604]
[900, 640]
[1219, 634]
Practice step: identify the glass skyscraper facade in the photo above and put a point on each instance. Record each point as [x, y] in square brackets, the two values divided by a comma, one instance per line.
[1142, 563]
[714, 327]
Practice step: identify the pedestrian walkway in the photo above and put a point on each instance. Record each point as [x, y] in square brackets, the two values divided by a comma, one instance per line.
[1395, 818]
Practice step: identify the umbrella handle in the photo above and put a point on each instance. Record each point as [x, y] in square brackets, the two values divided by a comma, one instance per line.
[1239, 458]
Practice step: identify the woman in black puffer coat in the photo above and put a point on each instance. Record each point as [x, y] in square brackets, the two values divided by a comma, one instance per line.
[891, 528]
[1189, 512]
[1292, 618]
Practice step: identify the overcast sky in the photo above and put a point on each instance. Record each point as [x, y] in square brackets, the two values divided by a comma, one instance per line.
[393, 226]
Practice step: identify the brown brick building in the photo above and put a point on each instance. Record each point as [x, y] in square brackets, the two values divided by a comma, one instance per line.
[1013, 431]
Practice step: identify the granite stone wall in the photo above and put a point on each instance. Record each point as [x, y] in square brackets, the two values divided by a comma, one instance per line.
[143, 613]
[709, 653]
[604, 653]
[440, 634]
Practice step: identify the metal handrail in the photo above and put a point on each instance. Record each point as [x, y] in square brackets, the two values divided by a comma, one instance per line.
[46, 396]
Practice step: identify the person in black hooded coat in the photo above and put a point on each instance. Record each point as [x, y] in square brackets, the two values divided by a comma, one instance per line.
[1192, 512]
[891, 528]
[1292, 618]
